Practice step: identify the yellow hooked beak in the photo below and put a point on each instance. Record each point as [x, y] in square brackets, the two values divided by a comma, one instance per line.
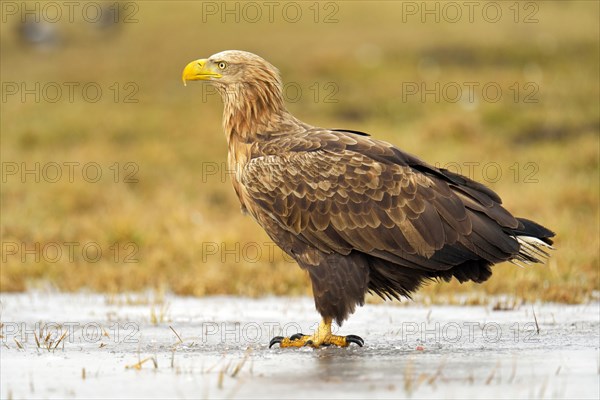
[199, 70]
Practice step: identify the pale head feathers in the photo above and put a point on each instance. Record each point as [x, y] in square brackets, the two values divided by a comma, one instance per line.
[252, 94]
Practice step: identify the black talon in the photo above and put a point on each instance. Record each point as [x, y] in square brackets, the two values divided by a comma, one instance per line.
[355, 339]
[296, 336]
[308, 343]
[276, 339]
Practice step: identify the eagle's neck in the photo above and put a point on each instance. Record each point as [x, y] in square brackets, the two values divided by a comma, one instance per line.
[254, 110]
[250, 114]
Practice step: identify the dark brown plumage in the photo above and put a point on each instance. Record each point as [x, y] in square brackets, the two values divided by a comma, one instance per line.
[355, 212]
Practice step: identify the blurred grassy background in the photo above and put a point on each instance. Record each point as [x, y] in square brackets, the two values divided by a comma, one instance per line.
[182, 226]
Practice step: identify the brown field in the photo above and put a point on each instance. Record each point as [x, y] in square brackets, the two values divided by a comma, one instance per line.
[163, 213]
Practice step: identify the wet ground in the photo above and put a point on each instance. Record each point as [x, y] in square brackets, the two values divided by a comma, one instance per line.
[95, 346]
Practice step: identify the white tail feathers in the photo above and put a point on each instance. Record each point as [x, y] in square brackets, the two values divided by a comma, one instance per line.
[533, 250]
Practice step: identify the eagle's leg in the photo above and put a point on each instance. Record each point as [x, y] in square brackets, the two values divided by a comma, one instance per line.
[321, 337]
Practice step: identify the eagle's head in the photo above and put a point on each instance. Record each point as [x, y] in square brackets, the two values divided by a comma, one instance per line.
[231, 69]
[250, 87]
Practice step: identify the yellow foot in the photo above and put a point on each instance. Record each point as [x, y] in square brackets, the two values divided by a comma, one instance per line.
[300, 340]
[322, 337]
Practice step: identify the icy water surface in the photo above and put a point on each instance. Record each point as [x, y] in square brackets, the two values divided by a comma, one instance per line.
[95, 346]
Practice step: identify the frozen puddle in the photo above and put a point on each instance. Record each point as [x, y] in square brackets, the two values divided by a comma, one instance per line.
[92, 346]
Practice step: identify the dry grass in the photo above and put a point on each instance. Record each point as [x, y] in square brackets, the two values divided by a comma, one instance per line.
[166, 219]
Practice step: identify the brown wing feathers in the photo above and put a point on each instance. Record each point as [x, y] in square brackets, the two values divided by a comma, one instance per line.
[370, 204]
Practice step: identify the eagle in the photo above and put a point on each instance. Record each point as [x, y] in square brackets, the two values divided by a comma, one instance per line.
[358, 214]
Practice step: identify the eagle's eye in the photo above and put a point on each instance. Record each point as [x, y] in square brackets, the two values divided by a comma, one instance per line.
[222, 65]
